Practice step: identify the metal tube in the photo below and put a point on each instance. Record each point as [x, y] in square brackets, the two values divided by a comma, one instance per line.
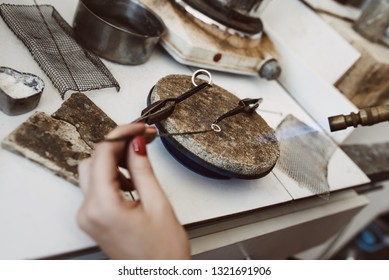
[364, 117]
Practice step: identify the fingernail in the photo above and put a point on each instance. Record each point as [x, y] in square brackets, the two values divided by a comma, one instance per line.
[139, 145]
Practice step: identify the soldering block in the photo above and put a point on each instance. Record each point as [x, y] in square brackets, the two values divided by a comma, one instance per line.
[58, 142]
[246, 147]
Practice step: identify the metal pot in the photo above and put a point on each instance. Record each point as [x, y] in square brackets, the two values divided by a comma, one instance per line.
[121, 31]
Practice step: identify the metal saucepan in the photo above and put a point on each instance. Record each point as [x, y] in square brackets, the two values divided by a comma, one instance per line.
[121, 31]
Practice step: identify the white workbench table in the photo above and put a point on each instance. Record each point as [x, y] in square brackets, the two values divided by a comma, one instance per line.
[37, 209]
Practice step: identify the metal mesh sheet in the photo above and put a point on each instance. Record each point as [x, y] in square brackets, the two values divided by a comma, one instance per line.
[305, 153]
[87, 72]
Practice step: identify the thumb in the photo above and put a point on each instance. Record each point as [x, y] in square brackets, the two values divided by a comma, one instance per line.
[150, 192]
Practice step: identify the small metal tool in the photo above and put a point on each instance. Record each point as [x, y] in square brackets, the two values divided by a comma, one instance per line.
[162, 109]
[247, 105]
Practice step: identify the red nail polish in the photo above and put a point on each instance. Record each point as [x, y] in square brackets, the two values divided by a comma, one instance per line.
[139, 145]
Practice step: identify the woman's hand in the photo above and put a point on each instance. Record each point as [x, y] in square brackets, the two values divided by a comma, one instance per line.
[143, 229]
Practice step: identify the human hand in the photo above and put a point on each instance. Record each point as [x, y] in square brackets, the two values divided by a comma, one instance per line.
[143, 229]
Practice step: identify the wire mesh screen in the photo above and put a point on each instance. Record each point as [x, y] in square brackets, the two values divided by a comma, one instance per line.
[304, 154]
[82, 70]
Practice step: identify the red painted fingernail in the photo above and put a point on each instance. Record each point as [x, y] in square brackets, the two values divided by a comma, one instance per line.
[140, 145]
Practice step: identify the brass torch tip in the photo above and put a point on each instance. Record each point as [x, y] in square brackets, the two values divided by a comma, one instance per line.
[337, 123]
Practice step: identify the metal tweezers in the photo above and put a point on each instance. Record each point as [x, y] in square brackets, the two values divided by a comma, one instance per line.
[246, 105]
[161, 110]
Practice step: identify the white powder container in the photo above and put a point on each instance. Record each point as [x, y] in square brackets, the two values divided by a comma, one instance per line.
[19, 92]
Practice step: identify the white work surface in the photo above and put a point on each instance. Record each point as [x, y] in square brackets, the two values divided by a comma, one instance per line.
[38, 209]
[313, 58]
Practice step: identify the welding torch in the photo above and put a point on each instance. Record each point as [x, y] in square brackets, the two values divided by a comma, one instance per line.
[364, 117]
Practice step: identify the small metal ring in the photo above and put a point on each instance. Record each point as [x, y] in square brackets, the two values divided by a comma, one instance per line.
[201, 72]
[215, 127]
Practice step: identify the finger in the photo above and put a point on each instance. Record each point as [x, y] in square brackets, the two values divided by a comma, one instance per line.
[125, 130]
[151, 194]
[104, 178]
[126, 183]
[150, 134]
[84, 172]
